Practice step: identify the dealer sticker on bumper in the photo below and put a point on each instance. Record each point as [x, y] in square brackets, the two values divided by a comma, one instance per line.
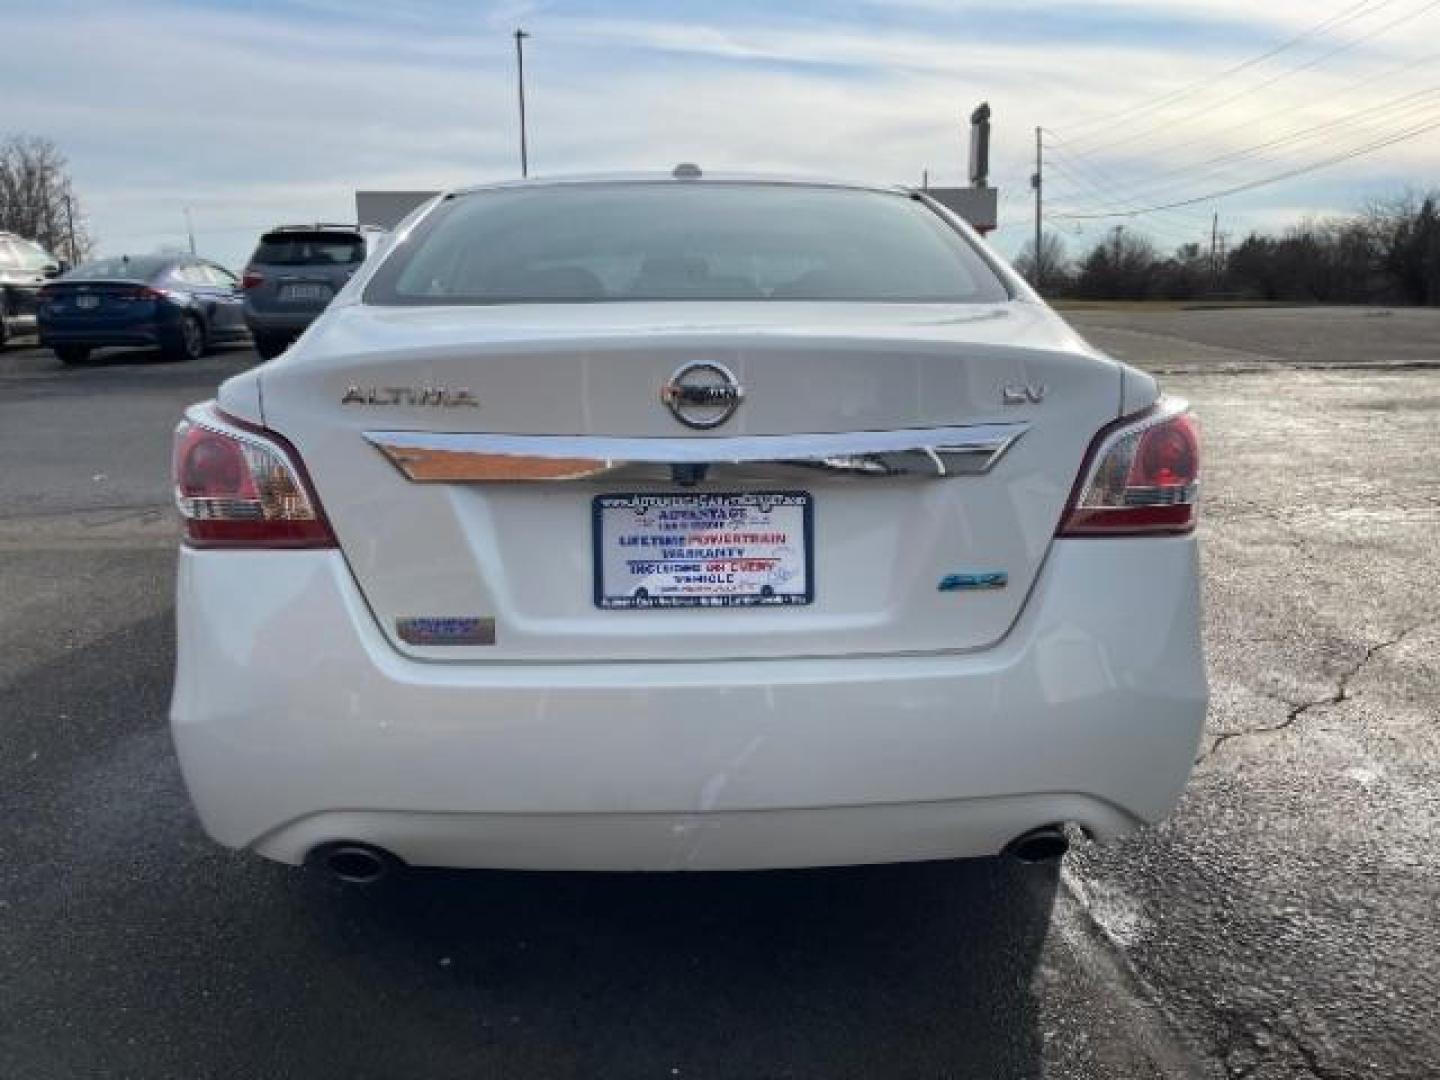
[703, 550]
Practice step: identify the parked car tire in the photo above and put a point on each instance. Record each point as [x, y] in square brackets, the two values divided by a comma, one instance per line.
[270, 346]
[70, 355]
[189, 343]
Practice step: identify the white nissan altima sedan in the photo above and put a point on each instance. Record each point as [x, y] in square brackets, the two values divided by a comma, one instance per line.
[685, 522]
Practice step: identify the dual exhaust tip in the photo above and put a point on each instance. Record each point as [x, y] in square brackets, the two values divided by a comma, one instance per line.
[365, 864]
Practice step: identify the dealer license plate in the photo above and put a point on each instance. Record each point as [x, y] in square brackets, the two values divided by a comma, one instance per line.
[732, 550]
[304, 292]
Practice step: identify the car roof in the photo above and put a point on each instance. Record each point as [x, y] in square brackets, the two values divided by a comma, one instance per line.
[675, 176]
[323, 226]
[144, 265]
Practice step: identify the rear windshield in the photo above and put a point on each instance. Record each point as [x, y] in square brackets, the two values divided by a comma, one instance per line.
[310, 249]
[121, 268]
[672, 241]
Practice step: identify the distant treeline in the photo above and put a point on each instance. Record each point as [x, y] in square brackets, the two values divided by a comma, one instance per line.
[1388, 254]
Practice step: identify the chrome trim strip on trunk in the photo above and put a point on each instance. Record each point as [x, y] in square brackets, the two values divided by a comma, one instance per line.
[463, 457]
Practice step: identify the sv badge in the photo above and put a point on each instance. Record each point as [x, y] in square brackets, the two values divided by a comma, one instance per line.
[1023, 393]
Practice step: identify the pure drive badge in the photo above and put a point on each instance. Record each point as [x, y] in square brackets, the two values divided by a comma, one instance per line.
[987, 579]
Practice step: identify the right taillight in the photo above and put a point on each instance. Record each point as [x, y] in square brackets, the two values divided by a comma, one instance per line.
[251, 279]
[241, 487]
[1141, 475]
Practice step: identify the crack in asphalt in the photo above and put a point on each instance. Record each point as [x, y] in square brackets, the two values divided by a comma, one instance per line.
[1256, 1054]
[1245, 1044]
[1245, 1052]
[1299, 709]
[1270, 368]
[125, 509]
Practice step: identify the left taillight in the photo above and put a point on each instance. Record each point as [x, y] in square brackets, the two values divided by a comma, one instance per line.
[1141, 476]
[238, 486]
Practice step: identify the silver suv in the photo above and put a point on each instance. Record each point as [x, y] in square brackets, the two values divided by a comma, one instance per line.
[294, 272]
[24, 267]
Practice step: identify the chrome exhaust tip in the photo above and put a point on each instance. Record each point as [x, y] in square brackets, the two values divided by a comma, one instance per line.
[1047, 844]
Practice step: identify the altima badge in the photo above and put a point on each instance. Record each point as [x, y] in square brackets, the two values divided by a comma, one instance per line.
[433, 397]
[1023, 393]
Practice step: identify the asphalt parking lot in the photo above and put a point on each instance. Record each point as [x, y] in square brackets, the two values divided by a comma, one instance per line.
[1282, 924]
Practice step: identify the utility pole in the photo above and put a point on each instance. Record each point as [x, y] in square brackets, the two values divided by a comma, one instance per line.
[1035, 182]
[520, 36]
[70, 230]
[190, 229]
[1214, 248]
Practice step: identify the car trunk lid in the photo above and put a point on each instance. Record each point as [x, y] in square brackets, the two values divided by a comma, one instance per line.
[87, 300]
[929, 449]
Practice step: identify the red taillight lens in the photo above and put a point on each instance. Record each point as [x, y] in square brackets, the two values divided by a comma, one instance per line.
[238, 487]
[1140, 476]
[142, 292]
[250, 279]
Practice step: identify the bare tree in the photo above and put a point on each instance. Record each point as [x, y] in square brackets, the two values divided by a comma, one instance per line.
[1053, 271]
[1123, 267]
[1408, 234]
[37, 199]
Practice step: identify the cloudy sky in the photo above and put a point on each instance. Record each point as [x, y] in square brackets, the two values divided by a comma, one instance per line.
[252, 114]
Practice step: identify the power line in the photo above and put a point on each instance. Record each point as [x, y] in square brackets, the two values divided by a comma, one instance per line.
[1359, 151]
[1352, 12]
[1106, 191]
[1102, 188]
[1287, 73]
[1411, 107]
[1308, 132]
[1342, 91]
[1416, 110]
[1178, 232]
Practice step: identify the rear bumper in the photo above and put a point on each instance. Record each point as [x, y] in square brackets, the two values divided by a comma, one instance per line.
[283, 322]
[297, 723]
[137, 336]
[98, 337]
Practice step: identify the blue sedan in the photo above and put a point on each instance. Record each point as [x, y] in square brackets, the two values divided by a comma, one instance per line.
[178, 303]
